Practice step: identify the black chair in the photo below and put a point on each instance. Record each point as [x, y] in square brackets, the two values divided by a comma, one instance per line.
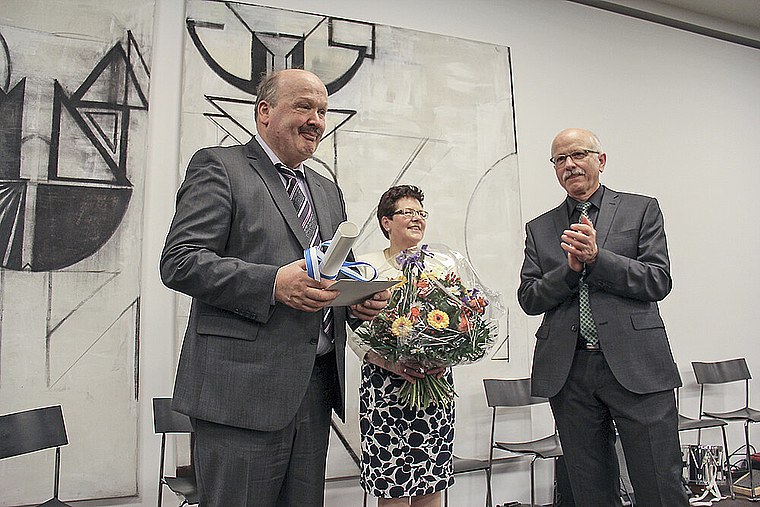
[689, 423]
[501, 393]
[34, 430]
[722, 372]
[166, 421]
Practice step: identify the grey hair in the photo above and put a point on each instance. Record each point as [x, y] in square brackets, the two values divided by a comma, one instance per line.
[267, 92]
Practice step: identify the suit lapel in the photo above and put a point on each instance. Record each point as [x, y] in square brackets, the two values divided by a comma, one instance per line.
[320, 203]
[561, 223]
[260, 163]
[606, 215]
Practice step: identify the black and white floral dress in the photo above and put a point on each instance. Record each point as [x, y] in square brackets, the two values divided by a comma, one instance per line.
[405, 451]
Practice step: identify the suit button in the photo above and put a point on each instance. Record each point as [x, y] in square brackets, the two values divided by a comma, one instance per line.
[573, 328]
[313, 340]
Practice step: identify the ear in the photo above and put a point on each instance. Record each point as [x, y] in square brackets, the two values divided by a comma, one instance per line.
[386, 222]
[602, 161]
[263, 110]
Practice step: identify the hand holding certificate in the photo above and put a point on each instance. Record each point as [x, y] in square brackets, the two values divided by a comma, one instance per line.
[355, 288]
[356, 291]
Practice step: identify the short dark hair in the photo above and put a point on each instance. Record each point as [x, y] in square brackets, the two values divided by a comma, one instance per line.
[267, 92]
[388, 201]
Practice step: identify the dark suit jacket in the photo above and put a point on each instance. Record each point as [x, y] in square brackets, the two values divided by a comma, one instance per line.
[631, 273]
[244, 362]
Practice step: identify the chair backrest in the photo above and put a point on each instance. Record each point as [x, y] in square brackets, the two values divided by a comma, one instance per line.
[32, 430]
[510, 393]
[721, 372]
[165, 420]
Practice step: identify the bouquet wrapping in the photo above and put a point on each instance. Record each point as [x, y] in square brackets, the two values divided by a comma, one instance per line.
[439, 314]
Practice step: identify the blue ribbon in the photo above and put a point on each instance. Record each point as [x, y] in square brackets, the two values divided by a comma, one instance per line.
[314, 256]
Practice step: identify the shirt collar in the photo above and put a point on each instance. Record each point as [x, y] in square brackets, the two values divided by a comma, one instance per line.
[595, 199]
[274, 158]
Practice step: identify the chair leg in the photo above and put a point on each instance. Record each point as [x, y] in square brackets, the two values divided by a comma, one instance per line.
[488, 487]
[532, 482]
[57, 472]
[749, 461]
[446, 497]
[727, 474]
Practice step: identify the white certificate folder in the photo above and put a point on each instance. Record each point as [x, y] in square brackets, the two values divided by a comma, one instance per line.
[356, 291]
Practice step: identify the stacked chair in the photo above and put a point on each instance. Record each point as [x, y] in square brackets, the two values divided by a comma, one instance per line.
[166, 421]
[515, 394]
[34, 430]
[723, 372]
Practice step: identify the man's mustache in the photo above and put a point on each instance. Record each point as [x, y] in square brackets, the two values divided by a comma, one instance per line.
[574, 172]
[314, 130]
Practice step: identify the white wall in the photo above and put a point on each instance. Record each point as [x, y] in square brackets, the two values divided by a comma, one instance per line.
[677, 114]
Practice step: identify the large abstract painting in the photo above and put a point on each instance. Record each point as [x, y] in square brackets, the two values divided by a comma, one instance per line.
[74, 80]
[404, 107]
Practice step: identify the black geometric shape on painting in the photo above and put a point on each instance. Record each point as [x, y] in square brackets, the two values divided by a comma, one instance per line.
[100, 120]
[260, 54]
[225, 115]
[73, 222]
[111, 86]
[120, 87]
[11, 115]
[119, 171]
[5, 80]
[12, 208]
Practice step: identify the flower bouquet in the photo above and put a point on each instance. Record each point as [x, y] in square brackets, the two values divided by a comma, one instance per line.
[434, 318]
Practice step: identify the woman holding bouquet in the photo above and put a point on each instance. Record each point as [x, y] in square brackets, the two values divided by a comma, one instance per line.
[407, 451]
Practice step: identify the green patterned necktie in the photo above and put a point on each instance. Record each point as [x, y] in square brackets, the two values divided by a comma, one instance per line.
[588, 327]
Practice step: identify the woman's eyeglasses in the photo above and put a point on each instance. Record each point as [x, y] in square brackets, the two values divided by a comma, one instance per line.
[411, 213]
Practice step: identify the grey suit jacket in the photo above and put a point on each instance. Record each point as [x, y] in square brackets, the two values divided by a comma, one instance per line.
[631, 273]
[244, 361]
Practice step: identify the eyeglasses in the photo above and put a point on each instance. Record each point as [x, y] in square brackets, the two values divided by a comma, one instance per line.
[411, 213]
[579, 155]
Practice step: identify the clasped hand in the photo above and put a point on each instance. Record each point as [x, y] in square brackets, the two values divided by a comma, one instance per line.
[580, 244]
[408, 370]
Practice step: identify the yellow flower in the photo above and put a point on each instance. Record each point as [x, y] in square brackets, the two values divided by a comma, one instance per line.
[402, 326]
[438, 319]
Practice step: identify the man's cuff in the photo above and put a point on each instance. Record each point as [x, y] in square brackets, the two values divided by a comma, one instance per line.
[274, 286]
[572, 278]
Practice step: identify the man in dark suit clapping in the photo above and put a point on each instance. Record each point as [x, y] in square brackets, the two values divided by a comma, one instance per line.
[596, 266]
[262, 361]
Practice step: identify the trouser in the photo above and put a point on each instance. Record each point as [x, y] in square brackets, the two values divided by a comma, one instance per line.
[585, 409]
[239, 467]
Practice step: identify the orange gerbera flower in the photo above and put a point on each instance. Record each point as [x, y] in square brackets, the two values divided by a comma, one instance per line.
[415, 314]
[438, 319]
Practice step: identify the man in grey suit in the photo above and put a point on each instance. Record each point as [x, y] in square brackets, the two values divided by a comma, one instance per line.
[596, 266]
[262, 362]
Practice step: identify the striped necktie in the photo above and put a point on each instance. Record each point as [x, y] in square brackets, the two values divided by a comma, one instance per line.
[308, 220]
[303, 208]
[588, 327]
